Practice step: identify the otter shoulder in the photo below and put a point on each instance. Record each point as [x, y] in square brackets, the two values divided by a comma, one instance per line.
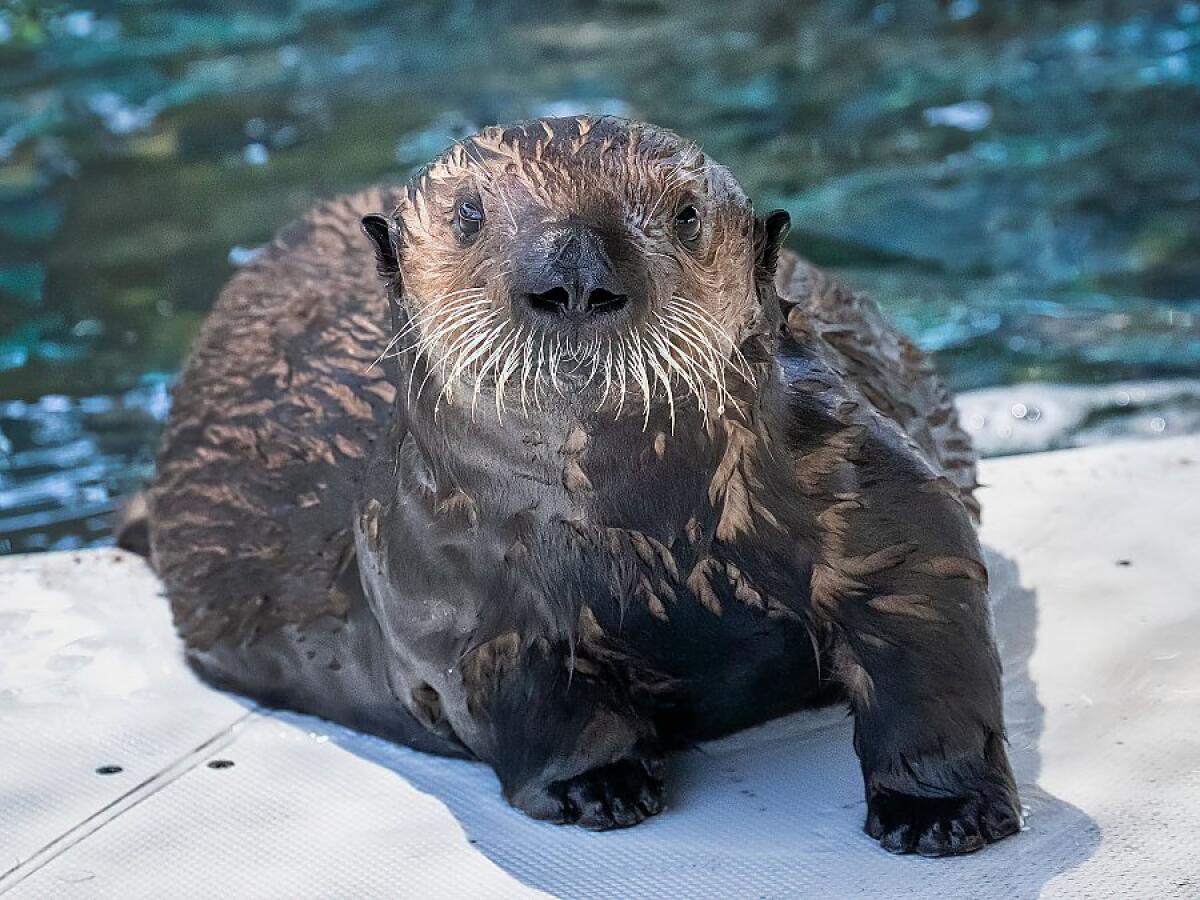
[852, 336]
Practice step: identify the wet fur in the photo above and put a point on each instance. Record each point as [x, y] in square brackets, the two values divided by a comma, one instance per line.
[566, 593]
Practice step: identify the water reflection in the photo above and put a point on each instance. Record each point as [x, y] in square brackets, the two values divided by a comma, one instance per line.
[64, 462]
[1018, 181]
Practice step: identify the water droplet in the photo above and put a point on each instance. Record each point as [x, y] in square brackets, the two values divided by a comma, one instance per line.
[256, 154]
[241, 256]
[967, 115]
[963, 9]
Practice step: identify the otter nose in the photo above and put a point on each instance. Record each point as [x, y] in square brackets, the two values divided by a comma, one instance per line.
[575, 301]
[570, 276]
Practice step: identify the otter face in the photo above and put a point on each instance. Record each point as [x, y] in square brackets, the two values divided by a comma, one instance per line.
[576, 255]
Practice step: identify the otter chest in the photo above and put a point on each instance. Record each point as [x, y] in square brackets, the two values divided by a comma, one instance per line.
[643, 551]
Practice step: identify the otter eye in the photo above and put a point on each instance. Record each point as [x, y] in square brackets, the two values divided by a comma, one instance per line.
[468, 218]
[687, 225]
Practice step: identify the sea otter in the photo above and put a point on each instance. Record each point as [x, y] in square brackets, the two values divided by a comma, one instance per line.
[577, 467]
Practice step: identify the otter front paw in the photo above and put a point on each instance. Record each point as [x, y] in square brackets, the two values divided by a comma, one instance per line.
[942, 826]
[614, 796]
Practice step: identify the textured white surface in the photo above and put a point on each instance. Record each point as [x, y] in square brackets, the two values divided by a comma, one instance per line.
[1098, 612]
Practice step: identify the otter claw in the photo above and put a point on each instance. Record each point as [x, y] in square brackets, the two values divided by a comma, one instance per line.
[939, 826]
[613, 796]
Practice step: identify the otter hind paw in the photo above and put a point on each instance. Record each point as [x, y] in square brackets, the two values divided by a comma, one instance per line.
[941, 826]
[617, 795]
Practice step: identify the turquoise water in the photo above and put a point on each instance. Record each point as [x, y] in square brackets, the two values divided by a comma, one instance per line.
[1019, 183]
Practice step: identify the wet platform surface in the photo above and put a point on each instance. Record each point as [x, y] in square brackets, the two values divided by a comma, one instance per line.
[124, 776]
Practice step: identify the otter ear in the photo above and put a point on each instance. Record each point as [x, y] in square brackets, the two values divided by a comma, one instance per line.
[385, 238]
[769, 233]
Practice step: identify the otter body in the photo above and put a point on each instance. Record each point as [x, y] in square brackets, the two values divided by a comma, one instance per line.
[614, 475]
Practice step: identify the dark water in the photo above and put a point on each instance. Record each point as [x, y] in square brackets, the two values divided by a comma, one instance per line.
[1018, 182]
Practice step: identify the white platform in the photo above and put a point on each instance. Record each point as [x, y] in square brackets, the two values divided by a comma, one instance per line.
[1097, 593]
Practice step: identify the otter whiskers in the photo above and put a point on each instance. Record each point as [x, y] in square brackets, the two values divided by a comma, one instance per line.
[679, 352]
[416, 322]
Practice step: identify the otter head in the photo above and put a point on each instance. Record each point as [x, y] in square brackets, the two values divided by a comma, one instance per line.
[591, 259]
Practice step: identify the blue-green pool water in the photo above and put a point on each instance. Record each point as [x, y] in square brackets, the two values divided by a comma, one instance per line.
[1017, 182]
